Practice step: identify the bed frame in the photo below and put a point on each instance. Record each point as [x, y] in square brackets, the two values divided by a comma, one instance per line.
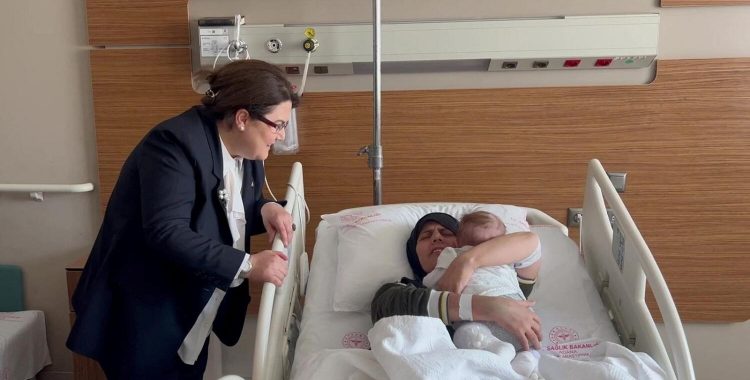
[616, 256]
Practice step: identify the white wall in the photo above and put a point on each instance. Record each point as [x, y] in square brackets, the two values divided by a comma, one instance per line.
[47, 134]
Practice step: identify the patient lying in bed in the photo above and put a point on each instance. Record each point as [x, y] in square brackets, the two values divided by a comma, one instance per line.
[497, 280]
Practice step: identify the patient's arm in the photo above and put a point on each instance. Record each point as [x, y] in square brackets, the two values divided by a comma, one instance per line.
[399, 299]
[514, 316]
[501, 250]
[531, 272]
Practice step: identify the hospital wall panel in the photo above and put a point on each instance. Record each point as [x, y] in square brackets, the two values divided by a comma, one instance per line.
[137, 22]
[681, 139]
[690, 3]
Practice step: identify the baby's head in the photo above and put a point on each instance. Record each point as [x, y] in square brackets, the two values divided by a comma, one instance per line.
[478, 227]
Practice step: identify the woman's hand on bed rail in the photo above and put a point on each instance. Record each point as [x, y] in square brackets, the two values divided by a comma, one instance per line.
[277, 220]
[268, 266]
[514, 316]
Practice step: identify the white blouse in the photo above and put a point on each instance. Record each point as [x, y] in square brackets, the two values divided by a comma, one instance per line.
[193, 343]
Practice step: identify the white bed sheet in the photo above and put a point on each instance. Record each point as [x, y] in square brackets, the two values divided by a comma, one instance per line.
[23, 344]
[573, 317]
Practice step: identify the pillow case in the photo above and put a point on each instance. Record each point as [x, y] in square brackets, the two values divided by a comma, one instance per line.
[372, 244]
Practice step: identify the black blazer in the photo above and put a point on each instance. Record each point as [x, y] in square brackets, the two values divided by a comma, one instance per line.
[162, 249]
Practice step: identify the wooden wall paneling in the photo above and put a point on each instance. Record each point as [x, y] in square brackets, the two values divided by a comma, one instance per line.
[681, 139]
[137, 22]
[134, 89]
[691, 3]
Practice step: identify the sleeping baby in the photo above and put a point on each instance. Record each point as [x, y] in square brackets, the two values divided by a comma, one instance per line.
[499, 280]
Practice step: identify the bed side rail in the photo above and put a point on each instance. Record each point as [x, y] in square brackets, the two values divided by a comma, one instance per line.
[536, 217]
[280, 309]
[620, 263]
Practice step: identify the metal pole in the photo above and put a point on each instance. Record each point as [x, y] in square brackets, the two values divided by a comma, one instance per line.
[375, 153]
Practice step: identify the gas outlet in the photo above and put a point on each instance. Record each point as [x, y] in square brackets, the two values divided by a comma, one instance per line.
[274, 45]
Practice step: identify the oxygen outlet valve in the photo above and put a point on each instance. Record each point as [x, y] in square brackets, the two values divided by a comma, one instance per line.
[310, 45]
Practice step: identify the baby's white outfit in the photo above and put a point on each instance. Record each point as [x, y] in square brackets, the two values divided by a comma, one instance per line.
[500, 280]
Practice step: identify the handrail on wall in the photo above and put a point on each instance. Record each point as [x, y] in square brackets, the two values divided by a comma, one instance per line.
[36, 191]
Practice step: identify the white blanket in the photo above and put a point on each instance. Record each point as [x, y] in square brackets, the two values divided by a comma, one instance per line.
[608, 361]
[412, 348]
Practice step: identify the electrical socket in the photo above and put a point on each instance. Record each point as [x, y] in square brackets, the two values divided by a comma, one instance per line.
[618, 180]
[575, 215]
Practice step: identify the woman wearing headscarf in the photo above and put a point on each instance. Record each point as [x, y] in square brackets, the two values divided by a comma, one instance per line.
[432, 233]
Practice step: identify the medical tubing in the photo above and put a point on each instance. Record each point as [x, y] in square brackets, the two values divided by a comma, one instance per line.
[265, 179]
[236, 43]
[225, 51]
[219, 54]
[237, 27]
[304, 75]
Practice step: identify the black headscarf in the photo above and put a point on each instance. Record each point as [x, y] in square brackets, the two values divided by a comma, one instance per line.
[440, 218]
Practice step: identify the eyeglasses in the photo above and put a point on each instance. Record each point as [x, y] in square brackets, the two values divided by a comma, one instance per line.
[278, 127]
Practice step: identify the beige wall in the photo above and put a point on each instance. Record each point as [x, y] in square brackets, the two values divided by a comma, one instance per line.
[47, 134]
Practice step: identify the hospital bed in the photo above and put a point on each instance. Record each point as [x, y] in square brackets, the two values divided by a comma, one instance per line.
[587, 293]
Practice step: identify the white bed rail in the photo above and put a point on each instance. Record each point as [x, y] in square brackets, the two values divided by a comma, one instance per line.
[534, 216]
[276, 333]
[620, 263]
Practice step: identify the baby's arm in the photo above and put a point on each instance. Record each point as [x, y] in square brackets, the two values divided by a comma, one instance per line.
[502, 250]
[444, 261]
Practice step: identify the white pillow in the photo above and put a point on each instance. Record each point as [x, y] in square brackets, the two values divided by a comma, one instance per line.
[372, 244]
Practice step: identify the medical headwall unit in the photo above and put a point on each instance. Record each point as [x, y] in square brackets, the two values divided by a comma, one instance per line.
[570, 42]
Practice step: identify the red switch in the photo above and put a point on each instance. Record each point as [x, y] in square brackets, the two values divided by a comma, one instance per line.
[603, 62]
[572, 62]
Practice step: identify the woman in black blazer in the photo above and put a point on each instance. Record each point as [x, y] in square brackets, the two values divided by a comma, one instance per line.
[171, 263]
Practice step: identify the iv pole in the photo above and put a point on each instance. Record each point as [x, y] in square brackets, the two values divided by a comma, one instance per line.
[376, 154]
[374, 151]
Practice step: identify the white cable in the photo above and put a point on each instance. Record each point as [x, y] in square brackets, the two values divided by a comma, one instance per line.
[237, 27]
[304, 74]
[296, 193]
[237, 43]
[265, 179]
[219, 54]
[304, 202]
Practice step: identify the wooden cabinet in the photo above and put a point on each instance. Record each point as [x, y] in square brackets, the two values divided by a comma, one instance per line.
[83, 367]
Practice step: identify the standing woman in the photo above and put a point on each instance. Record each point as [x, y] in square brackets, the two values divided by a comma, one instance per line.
[171, 258]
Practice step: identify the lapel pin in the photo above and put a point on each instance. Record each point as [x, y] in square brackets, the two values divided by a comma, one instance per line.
[223, 196]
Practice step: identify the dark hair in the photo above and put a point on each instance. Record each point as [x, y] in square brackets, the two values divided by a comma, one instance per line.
[440, 218]
[254, 85]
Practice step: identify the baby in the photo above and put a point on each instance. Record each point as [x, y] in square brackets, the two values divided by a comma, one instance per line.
[500, 280]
